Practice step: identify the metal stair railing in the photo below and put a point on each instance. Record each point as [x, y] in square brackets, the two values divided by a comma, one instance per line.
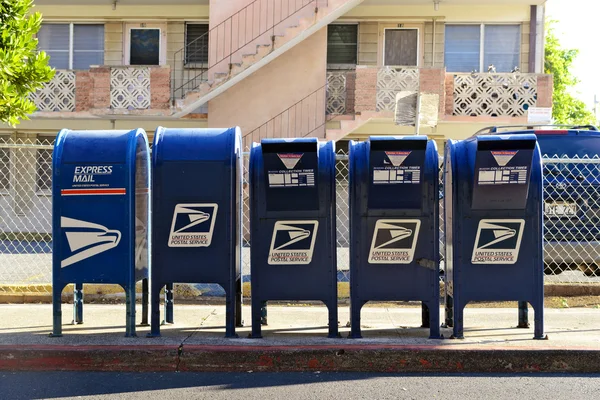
[264, 17]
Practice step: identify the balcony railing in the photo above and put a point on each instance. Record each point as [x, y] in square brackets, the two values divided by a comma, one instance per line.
[494, 95]
[482, 95]
[107, 90]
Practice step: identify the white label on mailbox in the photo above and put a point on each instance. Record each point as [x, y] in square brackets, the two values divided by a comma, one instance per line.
[394, 241]
[193, 225]
[87, 239]
[397, 157]
[502, 175]
[290, 160]
[498, 241]
[294, 178]
[503, 157]
[293, 242]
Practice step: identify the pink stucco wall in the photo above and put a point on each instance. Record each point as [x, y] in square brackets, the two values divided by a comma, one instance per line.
[274, 88]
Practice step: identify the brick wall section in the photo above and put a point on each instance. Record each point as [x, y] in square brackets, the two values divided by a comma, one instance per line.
[350, 91]
[432, 81]
[365, 95]
[449, 86]
[83, 91]
[545, 87]
[160, 88]
[100, 96]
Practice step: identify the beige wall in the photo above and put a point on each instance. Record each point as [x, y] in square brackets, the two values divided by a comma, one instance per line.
[123, 12]
[368, 33]
[274, 88]
[113, 43]
[429, 60]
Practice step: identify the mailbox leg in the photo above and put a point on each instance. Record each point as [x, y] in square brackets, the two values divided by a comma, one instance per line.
[239, 322]
[523, 315]
[230, 309]
[459, 310]
[78, 304]
[449, 311]
[257, 305]
[355, 308]
[130, 310]
[56, 310]
[538, 333]
[169, 303]
[333, 319]
[144, 302]
[425, 315]
[155, 309]
[433, 311]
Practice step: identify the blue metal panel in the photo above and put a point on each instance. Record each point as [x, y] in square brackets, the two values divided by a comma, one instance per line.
[494, 230]
[292, 209]
[196, 215]
[100, 210]
[394, 232]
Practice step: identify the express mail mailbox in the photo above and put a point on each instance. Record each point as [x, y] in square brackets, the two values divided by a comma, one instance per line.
[394, 229]
[292, 210]
[100, 211]
[196, 217]
[493, 220]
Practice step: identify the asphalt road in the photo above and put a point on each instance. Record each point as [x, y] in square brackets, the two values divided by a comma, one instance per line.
[315, 385]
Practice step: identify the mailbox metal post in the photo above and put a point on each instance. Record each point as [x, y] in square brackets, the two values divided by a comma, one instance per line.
[292, 219]
[394, 226]
[494, 230]
[100, 216]
[196, 217]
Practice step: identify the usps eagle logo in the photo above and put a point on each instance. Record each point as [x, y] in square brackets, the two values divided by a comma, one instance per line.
[193, 225]
[86, 239]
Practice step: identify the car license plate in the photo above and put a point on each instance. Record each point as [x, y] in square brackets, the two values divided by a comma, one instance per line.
[560, 208]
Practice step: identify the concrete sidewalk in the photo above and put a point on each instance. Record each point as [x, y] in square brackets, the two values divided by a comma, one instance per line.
[295, 340]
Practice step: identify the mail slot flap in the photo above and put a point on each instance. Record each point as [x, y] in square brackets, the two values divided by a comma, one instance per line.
[383, 143]
[289, 145]
[176, 144]
[109, 147]
[502, 171]
[396, 168]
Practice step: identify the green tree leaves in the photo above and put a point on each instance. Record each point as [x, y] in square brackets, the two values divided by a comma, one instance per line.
[566, 109]
[23, 69]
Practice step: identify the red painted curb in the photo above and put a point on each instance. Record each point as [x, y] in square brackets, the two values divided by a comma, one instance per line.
[351, 357]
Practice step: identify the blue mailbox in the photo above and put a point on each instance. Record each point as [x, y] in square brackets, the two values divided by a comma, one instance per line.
[100, 212]
[292, 217]
[394, 225]
[196, 217]
[493, 220]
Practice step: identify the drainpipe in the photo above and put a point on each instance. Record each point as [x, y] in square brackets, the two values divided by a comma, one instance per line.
[434, 19]
[532, 38]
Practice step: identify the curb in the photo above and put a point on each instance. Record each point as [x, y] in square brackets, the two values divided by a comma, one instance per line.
[344, 358]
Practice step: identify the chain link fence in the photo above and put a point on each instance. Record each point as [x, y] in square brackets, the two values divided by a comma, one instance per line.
[572, 219]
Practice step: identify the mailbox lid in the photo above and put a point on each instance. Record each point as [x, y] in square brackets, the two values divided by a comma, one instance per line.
[396, 172]
[196, 144]
[107, 146]
[291, 174]
[502, 171]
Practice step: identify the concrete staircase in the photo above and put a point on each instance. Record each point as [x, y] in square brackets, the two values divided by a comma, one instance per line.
[347, 126]
[261, 52]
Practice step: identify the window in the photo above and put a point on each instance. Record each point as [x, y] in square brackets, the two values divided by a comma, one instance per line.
[4, 164]
[44, 164]
[342, 44]
[196, 43]
[72, 46]
[474, 47]
[144, 46]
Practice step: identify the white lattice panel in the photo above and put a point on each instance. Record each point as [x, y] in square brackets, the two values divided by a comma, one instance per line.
[336, 92]
[494, 95]
[390, 81]
[130, 88]
[58, 94]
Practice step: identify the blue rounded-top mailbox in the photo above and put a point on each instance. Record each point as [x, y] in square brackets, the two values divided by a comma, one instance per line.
[394, 227]
[292, 216]
[196, 217]
[100, 216]
[494, 230]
